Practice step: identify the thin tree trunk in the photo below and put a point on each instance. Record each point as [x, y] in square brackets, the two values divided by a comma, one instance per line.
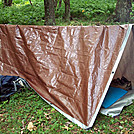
[5, 2]
[60, 3]
[9, 2]
[31, 2]
[49, 12]
[123, 9]
[67, 10]
[55, 3]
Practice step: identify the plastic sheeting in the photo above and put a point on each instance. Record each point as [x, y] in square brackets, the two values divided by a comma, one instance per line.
[70, 66]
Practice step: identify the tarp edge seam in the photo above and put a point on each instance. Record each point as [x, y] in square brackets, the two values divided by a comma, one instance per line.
[112, 74]
[66, 115]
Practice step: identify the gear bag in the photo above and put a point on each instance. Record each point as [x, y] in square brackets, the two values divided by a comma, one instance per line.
[10, 85]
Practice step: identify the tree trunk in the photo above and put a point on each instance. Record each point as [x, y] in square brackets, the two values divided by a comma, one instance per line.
[60, 1]
[123, 9]
[7, 2]
[30, 2]
[67, 10]
[49, 12]
[55, 3]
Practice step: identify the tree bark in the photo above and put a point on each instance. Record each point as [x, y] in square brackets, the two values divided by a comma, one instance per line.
[60, 1]
[67, 10]
[30, 2]
[55, 3]
[49, 12]
[122, 11]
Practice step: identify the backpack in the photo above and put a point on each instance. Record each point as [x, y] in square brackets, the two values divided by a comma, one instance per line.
[10, 85]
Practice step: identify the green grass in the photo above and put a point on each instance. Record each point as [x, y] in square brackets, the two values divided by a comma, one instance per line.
[83, 12]
[27, 106]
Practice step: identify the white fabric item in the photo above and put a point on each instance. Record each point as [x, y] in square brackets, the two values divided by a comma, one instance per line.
[117, 107]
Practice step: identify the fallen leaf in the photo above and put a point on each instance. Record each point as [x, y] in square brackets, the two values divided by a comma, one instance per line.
[31, 127]
[2, 119]
[83, 11]
[95, 129]
[1, 115]
[126, 132]
[47, 116]
[71, 125]
[23, 125]
[42, 124]
[66, 127]
[130, 129]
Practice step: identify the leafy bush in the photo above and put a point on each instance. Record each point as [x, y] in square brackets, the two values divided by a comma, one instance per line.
[90, 9]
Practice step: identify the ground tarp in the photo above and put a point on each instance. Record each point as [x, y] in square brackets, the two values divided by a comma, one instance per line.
[70, 67]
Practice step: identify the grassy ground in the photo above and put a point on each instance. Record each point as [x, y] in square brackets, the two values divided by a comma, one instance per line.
[26, 107]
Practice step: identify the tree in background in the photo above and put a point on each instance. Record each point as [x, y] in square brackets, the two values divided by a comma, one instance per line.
[123, 10]
[55, 3]
[7, 2]
[50, 6]
[60, 1]
[67, 10]
[49, 12]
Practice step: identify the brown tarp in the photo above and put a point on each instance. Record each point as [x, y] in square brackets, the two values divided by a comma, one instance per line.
[68, 66]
